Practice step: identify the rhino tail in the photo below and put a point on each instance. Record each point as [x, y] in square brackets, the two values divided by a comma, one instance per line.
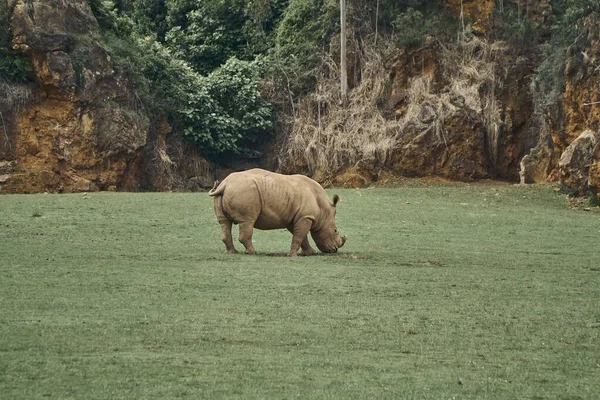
[217, 189]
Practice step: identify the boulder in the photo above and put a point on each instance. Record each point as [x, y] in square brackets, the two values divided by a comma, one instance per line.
[537, 165]
[594, 174]
[574, 164]
[353, 177]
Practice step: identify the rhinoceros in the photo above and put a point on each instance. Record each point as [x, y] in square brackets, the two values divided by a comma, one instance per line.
[266, 200]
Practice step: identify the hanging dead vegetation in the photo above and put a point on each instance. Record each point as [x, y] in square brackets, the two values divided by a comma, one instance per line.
[325, 135]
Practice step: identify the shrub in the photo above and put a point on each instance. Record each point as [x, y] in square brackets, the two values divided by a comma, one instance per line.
[222, 112]
[410, 28]
[206, 34]
[228, 116]
[303, 36]
[14, 68]
[569, 36]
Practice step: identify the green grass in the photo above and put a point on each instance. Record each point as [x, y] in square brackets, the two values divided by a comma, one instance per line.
[118, 295]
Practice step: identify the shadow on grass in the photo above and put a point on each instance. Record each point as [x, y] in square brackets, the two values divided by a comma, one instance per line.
[351, 256]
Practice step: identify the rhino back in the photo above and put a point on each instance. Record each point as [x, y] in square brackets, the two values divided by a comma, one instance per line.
[284, 200]
[273, 200]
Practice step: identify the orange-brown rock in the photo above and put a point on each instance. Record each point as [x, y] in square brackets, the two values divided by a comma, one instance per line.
[459, 154]
[354, 177]
[575, 161]
[577, 111]
[581, 100]
[594, 175]
[475, 12]
[76, 127]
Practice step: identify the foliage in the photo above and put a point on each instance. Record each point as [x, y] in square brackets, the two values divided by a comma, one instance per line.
[208, 33]
[411, 27]
[303, 37]
[519, 31]
[15, 68]
[569, 36]
[364, 15]
[222, 112]
[110, 20]
[148, 16]
[226, 113]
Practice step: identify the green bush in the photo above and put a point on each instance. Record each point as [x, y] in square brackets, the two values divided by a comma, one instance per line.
[14, 68]
[221, 112]
[206, 34]
[410, 28]
[303, 35]
[568, 39]
[226, 115]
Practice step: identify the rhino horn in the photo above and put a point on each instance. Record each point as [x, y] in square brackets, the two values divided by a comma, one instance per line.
[344, 238]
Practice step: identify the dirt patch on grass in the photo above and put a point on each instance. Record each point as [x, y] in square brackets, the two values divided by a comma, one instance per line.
[391, 179]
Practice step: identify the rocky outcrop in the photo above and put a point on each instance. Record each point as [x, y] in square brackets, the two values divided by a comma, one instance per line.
[461, 125]
[460, 111]
[459, 154]
[594, 176]
[574, 164]
[563, 152]
[538, 166]
[83, 128]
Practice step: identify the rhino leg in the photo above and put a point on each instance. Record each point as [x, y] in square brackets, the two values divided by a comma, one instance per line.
[300, 239]
[307, 249]
[226, 236]
[246, 229]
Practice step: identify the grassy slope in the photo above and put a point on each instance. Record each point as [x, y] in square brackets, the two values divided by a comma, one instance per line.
[130, 295]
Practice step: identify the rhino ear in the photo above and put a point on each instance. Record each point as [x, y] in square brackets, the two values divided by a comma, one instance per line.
[336, 198]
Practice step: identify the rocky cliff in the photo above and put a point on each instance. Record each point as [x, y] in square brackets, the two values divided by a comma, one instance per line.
[568, 131]
[460, 110]
[471, 112]
[79, 126]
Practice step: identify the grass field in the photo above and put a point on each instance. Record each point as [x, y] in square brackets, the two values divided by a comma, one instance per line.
[441, 292]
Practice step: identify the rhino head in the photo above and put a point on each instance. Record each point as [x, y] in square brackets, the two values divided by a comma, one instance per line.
[327, 237]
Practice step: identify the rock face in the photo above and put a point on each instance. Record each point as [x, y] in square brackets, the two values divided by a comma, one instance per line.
[461, 125]
[594, 175]
[486, 124]
[575, 161]
[563, 152]
[459, 111]
[81, 128]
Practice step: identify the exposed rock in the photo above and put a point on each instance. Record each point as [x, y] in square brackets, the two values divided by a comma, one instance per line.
[168, 162]
[478, 13]
[574, 164]
[78, 129]
[82, 130]
[581, 100]
[538, 166]
[403, 66]
[132, 128]
[459, 154]
[354, 177]
[594, 175]
[579, 111]
[42, 26]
